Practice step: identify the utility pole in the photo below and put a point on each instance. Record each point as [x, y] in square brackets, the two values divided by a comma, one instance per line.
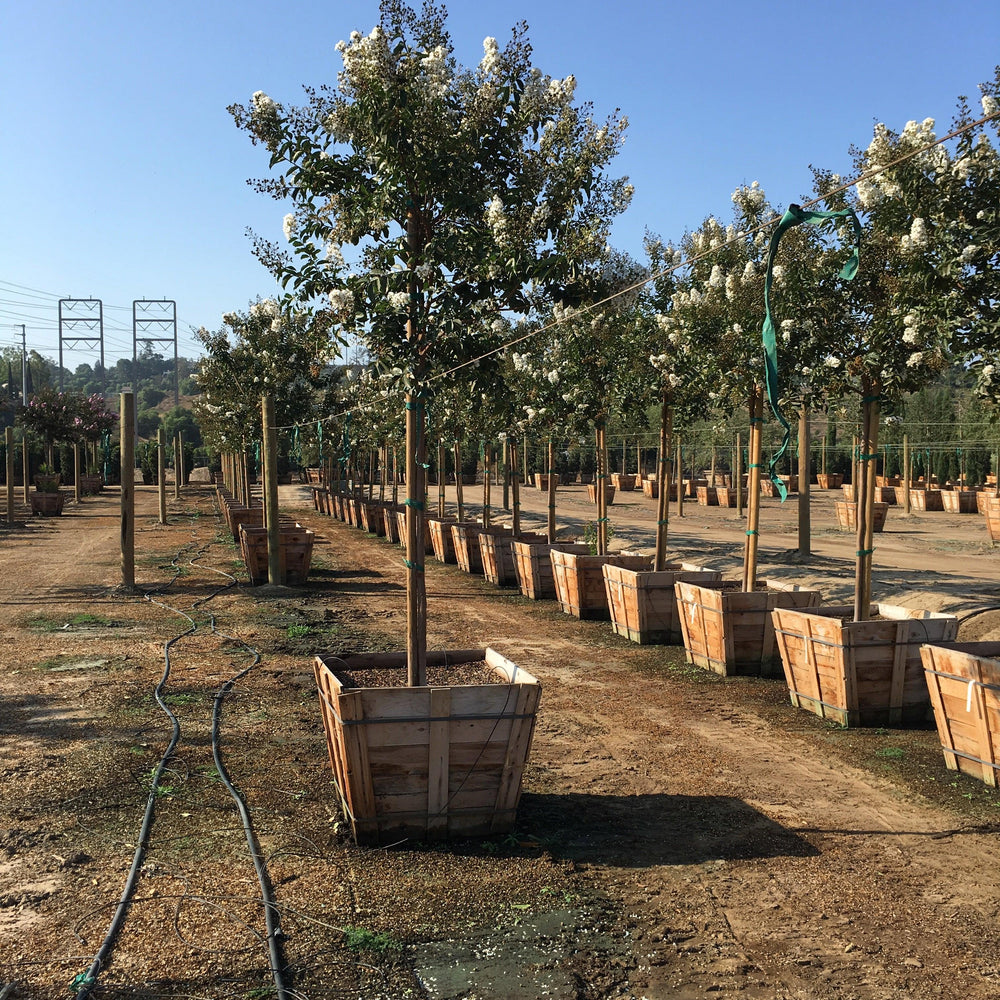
[24, 367]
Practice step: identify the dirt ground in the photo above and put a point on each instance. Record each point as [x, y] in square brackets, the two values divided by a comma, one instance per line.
[680, 835]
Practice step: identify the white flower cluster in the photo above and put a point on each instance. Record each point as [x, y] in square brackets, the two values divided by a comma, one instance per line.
[917, 238]
[365, 59]
[334, 257]
[435, 77]
[990, 105]
[265, 309]
[749, 199]
[290, 226]
[491, 57]
[911, 329]
[342, 301]
[399, 301]
[262, 106]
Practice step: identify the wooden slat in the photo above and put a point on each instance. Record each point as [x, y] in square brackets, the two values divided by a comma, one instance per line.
[438, 762]
[901, 654]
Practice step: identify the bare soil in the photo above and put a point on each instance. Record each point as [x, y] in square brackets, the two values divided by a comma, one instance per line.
[680, 835]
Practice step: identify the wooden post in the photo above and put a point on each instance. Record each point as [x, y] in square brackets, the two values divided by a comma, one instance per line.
[907, 473]
[76, 471]
[9, 442]
[711, 474]
[127, 423]
[459, 493]
[383, 471]
[663, 483]
[753, 491]
[180, 465]
[515, 486]
[395, 477]
[442, 476]
[805, 525]
[602, 488]
[270, 491]
[738, 472]
[638, 460]
[487, 483]
[550, 524]
[867, 458]
[680, 477]
[25, 465]
[505, 466]
[823, 455]
[416, 593]
[161, 472]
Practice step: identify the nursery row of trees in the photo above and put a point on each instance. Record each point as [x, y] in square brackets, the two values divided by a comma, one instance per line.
[455, 222]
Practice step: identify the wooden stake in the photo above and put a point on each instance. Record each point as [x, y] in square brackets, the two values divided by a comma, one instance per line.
[867, 459]
[738, 467]
[663, 483]
[805, 524]
[416, 592]
[270, 447]
[753, 491]
[550, 524]
[161, 472]
[680, 478]
[487, 483]
[459, 494]
[515, 485]
[127, 423]
[907, 474]
[9, 443]
[25, 465]
[442, 475]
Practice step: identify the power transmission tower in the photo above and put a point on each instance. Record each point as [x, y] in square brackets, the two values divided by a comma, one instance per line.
[81, 321]
[154, 321]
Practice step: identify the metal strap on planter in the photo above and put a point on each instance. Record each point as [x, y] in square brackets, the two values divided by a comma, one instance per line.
[973, 684]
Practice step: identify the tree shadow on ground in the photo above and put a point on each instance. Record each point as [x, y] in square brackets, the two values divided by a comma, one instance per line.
[638, 831]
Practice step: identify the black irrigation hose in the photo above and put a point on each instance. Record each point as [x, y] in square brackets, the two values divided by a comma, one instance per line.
[85, 982]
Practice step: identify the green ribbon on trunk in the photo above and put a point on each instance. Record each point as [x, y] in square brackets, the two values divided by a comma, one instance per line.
[793, 217]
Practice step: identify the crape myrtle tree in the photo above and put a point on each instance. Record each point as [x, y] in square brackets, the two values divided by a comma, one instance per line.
[451, 188]
[264, 351]
[675, 371]
[590, 353]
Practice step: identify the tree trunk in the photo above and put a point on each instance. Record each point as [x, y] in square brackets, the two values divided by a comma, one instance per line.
[753, 491]
[459, 495]
[805, 525]
[515, 485]
[270, 491]
[551, 518]
[866, 502]
[663, 483]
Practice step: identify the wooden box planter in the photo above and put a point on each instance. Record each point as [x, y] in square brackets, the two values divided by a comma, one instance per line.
[707, 496]
[730, 631]
[959, 501]
[830, 480]
[592, 493]
[371, 517]
[295, 545]
[465, 537]
[848, 491]
[985, 499]
[691, 487]
[926, 500]
[650, 488]
[643, 603]
[579, 581]
[768, 489]
[621, 481]
[964, 684]
[885, 494]
[442, 540]
[847, 515]
[390, 520]
[542, 480]
[992, 514]
[534, 566]
[47, 504]
[47, 480]
[240, 516]
[400, 515]
[497, 551]
[586, 478]
[427, 763]
[888, 481]
[725, 496]
[91, 485]
[859, 673]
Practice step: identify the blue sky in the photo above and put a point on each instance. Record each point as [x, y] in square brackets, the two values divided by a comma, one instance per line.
[123, 176]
